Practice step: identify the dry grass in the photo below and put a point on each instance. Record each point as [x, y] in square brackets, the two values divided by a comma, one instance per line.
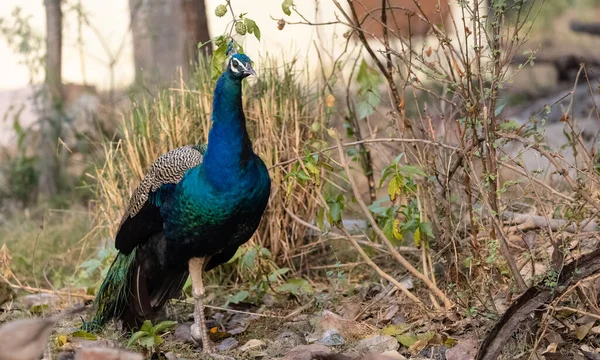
[280, 111]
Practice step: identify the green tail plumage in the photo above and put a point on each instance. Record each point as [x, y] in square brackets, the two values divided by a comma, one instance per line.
[112, 296]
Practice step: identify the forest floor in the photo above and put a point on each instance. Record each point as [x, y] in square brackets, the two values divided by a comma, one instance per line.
[342, 309]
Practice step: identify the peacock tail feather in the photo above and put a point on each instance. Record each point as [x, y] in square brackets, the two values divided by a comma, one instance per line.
[112, 295]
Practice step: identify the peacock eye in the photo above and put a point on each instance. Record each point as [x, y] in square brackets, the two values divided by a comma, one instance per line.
[235, 63]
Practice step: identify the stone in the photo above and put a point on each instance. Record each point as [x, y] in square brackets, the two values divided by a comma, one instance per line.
[464, 350]
[183, 332]
[253, 344]
[228, 344]
[106, 354]
[332, 337]
[305, 352]
[377, 344]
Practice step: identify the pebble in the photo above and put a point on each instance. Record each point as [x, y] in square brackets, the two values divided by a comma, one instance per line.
[228, 344]
[183, 332]
[332, 337]
[378, 344]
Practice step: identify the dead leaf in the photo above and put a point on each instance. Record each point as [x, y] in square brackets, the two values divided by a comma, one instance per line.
[582, 331]
[550, 349]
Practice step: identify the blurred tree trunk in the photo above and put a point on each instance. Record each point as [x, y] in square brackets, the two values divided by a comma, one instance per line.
[196, 28]
[165, 36]
[50, 122]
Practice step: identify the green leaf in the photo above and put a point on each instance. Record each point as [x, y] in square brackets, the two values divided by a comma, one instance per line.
[335, 213]
[509, 125]
[147, 342]
[425, 228]
[249, 259]
[286, 5]
[411, 170]
[147, 327]
[277, 273]
[136, 336]
[296, 286]
[157, 340]
[84, 335]
[236, 256]
[367, 77]
[219, 56]
[239, 297]
[321, 218]
[164, 326]
[407, 339]
[393, 330]
[499, 109]
[264, 252]
[252, 28]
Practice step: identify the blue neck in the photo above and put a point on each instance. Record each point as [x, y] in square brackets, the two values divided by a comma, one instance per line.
[229, 146]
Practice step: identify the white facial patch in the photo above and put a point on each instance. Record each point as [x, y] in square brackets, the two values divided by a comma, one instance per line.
[236, 65]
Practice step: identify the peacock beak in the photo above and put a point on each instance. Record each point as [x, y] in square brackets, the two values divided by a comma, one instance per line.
[249, 71]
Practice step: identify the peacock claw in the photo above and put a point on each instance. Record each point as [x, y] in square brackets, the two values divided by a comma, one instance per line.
[198, 337]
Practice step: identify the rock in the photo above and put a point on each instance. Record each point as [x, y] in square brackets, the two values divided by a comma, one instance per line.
[464, 350]
[268, 300]
[25, 339]
[305, 352]
[183, 332]
[106, 354]
[253, 344]
[332, 337]
[227, 344]
[377, 344]
[348, 329]
[171, 356]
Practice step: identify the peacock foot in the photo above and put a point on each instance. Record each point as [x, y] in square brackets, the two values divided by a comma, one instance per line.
[201, 337]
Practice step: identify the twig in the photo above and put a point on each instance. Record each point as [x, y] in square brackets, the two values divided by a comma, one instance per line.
[370, 141]
[381, 273]
[580, 312]
[559, 168]
[244, 312]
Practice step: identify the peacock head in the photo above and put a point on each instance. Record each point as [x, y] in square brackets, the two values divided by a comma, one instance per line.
[240, 66]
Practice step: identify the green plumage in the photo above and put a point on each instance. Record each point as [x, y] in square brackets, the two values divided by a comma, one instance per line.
[112, 295]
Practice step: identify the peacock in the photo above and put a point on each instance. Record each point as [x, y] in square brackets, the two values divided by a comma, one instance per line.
[192, 210]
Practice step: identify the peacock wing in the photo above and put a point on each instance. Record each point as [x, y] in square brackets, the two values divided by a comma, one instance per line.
[142, 218]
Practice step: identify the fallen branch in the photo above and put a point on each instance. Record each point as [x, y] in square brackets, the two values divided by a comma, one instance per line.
[534, 299]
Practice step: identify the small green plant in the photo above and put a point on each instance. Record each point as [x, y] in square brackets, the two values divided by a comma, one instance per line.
[149, 337]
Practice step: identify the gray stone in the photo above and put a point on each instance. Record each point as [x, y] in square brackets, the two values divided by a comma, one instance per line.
[227, 344]
[332, 337]
[183, 332]
[378, 344]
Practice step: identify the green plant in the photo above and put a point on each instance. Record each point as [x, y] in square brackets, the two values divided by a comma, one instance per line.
[149, 336]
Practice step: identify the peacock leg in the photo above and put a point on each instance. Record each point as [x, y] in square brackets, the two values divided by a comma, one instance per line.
[198, 331]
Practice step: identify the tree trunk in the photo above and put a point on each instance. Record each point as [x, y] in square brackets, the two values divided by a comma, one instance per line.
[50, 122]
[165, 37]
[196, 29]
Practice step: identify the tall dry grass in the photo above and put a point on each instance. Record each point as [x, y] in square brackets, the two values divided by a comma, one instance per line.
[280, 111]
